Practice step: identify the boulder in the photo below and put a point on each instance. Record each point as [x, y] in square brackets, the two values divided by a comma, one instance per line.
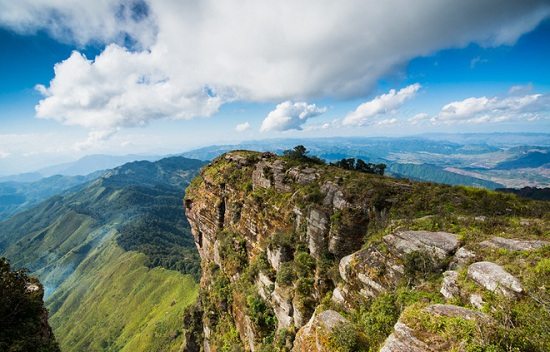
[449, 288]
[514, 245]
[439, 244]
[462, 258]
[494, 278]
[403, 340]
[314, 336]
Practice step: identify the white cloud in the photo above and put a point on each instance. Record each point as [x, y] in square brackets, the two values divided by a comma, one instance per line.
[82, 22]
[241, 127]
[482, 109]
[380, 105]
[94, 139]
[197, 55]
[521, 89]
[290, 116]
[387, 122]
[418, 118]
[4, 154]
[476, 61]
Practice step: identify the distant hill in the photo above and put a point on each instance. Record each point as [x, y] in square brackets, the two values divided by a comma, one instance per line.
[532, 159]
[92, 163]
[432, 173]
[121, 241]
[18, 196]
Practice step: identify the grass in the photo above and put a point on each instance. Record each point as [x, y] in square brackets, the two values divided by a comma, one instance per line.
[114, 302]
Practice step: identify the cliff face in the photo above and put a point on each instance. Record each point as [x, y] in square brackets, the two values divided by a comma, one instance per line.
[308, 257]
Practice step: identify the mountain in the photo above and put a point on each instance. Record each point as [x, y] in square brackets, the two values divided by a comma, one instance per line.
[492, 159]
[92, 163]
[301, 256]
[531, 159]
[24, 323]
[17, 196]
[115, 256]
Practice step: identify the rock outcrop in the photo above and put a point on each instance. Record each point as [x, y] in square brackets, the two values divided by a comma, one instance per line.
[291, 249]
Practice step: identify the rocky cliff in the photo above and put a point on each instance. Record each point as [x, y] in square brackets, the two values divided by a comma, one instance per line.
[303, 256]
[23, 318]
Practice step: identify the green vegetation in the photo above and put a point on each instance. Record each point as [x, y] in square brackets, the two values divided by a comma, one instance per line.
[115, 255]
[299, 154]
[23, 324]
[114, 302]
[361, 166]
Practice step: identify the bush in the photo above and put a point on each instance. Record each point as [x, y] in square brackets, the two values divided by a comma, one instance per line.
[344, 338]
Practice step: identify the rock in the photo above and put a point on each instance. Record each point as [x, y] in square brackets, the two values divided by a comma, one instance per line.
[370, 272]
[278, 255]
[449, 288]
[403, 340]
[338, 296]
[303, 176]
[265, 286]
[494, 278]
[476, 300]
[440, 244]
[261, 175]
[462, 258]
[317, 229]
[514, 245]
[334, 196]
[282, 306]
[314, 336]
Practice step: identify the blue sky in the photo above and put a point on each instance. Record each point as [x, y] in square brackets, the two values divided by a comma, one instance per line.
[132, 78]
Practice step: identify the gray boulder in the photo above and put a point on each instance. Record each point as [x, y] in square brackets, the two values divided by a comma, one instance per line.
[440, 244]
[494, 278]
[514, 245]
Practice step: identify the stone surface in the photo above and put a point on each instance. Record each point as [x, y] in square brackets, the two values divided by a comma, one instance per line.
[317, 230]
[514, 245]
[403, 340]
[449, 288]
[449, 310]
[476, 300]
[439, 244]
[494, 278]
[462, 258]
[314, 336]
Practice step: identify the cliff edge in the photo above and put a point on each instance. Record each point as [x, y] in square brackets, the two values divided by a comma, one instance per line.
[298, 255]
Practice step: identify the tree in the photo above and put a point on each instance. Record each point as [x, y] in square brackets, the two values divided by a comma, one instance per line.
[299, 153]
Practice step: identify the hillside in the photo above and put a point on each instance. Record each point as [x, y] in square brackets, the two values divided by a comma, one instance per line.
[24, 320]
[308, 257]
[115, 256]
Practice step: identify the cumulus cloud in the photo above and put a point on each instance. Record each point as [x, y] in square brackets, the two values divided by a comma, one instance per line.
[82, 22]
[520, 89]
[380, 105]
[495, 109]
[189, 57]
[290, 116]
[241, 127]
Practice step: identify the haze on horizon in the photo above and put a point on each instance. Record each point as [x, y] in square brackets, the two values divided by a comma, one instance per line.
[154, 77]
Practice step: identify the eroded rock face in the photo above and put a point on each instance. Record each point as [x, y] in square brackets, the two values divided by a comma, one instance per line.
[514, 245]
[462, 258]
[314, 336]
[494, 278]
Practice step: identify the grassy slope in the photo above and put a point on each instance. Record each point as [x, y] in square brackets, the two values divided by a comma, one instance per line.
[114, 302]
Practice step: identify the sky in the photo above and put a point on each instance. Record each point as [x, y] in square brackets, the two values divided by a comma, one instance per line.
[164, 76]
